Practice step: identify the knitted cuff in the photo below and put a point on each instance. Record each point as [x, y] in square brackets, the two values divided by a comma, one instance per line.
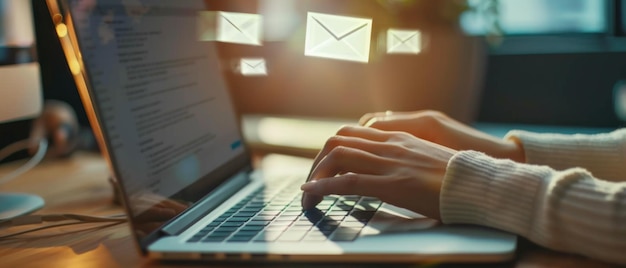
[602, 154]
[478, 189]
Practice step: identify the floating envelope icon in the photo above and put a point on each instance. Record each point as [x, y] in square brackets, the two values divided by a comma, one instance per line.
[239, 28]
[253, 67]
[403, 41]
[338, 37]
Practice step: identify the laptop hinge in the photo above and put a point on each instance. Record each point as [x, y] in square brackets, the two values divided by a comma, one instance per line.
[214, 199]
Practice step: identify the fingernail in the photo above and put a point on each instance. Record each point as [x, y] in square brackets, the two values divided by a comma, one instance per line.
[309, 186]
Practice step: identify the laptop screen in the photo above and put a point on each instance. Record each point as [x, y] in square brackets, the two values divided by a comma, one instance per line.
[159, 100]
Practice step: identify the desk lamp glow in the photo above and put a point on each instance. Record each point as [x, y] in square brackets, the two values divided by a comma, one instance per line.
[20, 93]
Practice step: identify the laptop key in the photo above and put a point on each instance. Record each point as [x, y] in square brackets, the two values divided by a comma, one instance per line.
[327, 227]
[362, 216]
[345, 234]
[232, 224]
[291, 213]
[239, 239]
[205, 230]
[225, 229]
[313, 215]
[300, 228]
[352, 224]
[303, 223]
[286, 218]
[338, 213]
[214, 238]
[250, 209]
[267, 236]
[281, 223]
[244, 214]
[195, 238]
[252, 228]
[269, 213]
[344, 237]
[257, 223]
[243, 236]
[238, 219]
[213, 224]
[315, 236]
[221, 218]
[292, 236]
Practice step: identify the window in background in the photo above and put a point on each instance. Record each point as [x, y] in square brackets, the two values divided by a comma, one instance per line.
[541, 17]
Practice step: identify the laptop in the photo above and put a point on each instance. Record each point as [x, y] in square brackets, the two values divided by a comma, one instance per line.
[161, 110]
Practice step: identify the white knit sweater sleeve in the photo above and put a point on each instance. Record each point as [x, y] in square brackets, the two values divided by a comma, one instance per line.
[604, 154]
[568, 210]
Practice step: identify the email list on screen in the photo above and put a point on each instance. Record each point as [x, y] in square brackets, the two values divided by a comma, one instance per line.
[164, 88]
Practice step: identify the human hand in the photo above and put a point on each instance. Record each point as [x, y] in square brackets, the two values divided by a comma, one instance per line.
[396, 167]
[57, 122]
[438, 128]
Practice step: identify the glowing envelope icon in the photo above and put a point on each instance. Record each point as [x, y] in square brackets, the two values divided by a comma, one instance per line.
[338, 37]
[403, 41]
[239, 28]
[253, 67]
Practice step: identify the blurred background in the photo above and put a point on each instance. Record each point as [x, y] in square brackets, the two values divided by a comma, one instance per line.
[549, 62]
[531, 62]
[559, 63]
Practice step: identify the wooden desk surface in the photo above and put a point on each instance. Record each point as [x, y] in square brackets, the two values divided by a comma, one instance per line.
[79, 185]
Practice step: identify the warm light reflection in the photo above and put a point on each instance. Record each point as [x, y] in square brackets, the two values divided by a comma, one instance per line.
[281, 19]
[61, 30]
[297, 133]
[74, 67]
[338, 37]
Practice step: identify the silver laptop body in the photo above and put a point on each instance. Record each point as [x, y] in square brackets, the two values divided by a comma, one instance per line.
[154, 92]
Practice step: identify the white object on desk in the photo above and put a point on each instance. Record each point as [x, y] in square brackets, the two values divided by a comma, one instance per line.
[21, 92]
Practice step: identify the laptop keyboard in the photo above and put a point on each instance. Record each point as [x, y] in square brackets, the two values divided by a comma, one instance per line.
[275, 214]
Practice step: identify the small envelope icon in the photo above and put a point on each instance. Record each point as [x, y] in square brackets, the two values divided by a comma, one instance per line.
[253, 67]
[338, 37]
[239, 28]
[403, 41]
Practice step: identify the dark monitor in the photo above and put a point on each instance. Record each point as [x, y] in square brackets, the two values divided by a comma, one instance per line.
[547, 26]
[560, 68]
